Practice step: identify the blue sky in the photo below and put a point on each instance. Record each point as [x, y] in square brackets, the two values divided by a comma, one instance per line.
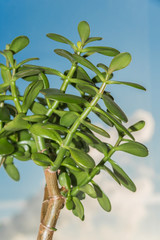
[131, 26]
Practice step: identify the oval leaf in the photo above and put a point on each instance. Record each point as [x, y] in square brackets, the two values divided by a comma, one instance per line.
[78, 210]
[123, 177]
[65, 54]
[19, 43]
[137, 126]
[60, 38]
[64, 180]
[135, 85]
[68, 119]
[89, 190]
[121, 61]
[35, 118]
[12, 171]
[41, 159]
[108, 51]
[114, 108]
[134, 148]
[5, 146]
[82, 159]
[96, 129]
[102, 198]
[84, 31]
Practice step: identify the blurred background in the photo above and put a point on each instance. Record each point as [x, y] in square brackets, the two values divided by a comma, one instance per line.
[131, 26]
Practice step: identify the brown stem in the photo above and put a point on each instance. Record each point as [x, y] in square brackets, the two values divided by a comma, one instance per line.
[54, 202]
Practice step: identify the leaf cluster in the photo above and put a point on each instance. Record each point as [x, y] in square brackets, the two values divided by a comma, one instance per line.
[54, 129]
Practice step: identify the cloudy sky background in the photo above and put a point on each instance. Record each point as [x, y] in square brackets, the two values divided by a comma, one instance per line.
[131, 26]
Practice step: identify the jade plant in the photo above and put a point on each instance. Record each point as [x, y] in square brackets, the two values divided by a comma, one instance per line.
[53, 128]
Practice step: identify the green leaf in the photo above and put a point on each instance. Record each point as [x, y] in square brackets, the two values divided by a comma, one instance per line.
[55, 127]
[65, 54]
[102, 198]
[110, 173]
[97, 79]
[56, 94]
[4, 114]
[89, 65]
[80, 73]
[122, 176]
[92, 39]
[114, 121]
[68, 119]
[18, 44]
[79, 177]
[46, 70]
[96, 129]
[26, 73]
[121, 61]
[6, 75]
[35, 118]
[5, 146]
[107, 51]
[9, 55]
[4, 87]
[84, 31]
[25, 61]
[78, 208]
[114, 108]
[64, 180]
[89, 190]
[15, 125]
[38, 108]
[69, 204]
[135, 85]
[91, 90]
[70, 163]
[41, 159]
[12, 171]
[82, 159]
[137, 126]
[134, 148]
[31, 93]
[103, 66]
[59, 38]
[41, 130]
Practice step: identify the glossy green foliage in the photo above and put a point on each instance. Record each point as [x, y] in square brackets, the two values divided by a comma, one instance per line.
[53, 126]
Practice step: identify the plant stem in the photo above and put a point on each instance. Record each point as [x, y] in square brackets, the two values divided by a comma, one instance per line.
[74, 127]
[55, 204]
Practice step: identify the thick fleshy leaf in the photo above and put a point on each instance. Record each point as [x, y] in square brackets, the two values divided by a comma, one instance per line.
[79, 177]
[82, 159]
[12, 171]
[68, 119]
[103, 66]
[69, 204]
[40, 130]
[56, 94]
[5, 146]
[122, 176]
[64, 180]
[96, 129]
[46, 70]
[114, 108]
[22, 152]
[134, 148]
[86, 88]
[6, 75]
[15, 125]
[19, 43]
[41, 159]
[137, 126]
[6, 97]
[78, 208]
[108, 51]
[84, 31]
[80, 73]
[74, 107]
[35, 118]
[38, 108]
[110, 173]
[31, 93]
[9, 55]
[89, 190]
[92, 39]
[120, 61]
[70, 163]
[89, 65]
[97, 79]
[114, 121]
[4, 114]
[60, 38]
[135, 85]
[4, 87]
[25, 61]
[26, 73]
[102, 198]
[65, 54]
